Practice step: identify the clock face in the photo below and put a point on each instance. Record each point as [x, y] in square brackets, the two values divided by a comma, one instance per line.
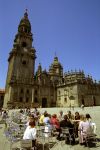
[25, 49]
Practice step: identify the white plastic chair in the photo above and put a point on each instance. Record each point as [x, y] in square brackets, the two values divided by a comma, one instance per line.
[25, 144]
[45, 137]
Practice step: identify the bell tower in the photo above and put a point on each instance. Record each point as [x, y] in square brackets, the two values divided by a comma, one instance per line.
[20, 76]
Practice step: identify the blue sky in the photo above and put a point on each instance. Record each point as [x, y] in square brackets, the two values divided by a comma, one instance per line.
[71, 28]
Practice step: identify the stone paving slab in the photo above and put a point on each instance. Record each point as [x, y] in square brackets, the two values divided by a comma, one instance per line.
[94, 112]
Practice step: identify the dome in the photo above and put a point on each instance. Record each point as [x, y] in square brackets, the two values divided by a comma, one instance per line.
[56, 62]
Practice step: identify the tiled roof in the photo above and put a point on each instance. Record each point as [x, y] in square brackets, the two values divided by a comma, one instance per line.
[2, 90]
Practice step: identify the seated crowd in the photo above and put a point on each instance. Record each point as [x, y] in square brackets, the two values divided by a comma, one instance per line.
[78, 125]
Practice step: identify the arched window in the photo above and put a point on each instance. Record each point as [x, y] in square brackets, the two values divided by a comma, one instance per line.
[24, 62]
[21, 91]
[82, 99]
[65, 99]
[2, 97]
[59, 92]
[24, 44]
[27, 91]
[27, 99]
[35, 100]
[21, 99]
[35, 92]
[72, 97]
[94, 101]
[26, 30]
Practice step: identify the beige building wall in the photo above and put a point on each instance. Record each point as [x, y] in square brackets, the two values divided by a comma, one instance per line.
[67, 96]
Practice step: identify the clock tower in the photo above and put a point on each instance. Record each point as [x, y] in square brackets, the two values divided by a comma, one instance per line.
[20, 76]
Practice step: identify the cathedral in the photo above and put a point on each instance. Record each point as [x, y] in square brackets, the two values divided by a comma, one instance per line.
[26, 87]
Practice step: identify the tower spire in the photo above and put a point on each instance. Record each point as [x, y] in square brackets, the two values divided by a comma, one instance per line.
[26, 13]
[55, 54]
[21, 66]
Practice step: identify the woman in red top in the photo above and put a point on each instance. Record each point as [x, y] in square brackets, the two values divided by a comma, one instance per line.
[55, 123]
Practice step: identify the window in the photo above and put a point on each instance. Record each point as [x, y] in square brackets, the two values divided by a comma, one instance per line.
[20, 99]
[35, 92]
[65, 91]
[72, 97]
[27, 99]
[24, 44]
[24, 62]
[26, 30]
[35, 100]
[59, 92]
[21, 91]
[27, 91]
[2, 97]
[65, 99]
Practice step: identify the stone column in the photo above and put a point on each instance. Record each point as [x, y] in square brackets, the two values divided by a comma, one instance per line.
[9, 94]
[55, 96]
[32, 96]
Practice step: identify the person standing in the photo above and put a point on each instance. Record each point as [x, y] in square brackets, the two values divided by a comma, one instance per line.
[30, 133]
[82, 106]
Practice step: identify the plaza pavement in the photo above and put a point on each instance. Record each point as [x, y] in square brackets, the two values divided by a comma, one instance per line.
[93, 111]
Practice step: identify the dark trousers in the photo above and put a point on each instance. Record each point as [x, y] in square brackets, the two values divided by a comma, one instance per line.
[33, 143]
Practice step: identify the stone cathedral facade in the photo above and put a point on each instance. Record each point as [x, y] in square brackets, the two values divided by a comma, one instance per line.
[27, 88]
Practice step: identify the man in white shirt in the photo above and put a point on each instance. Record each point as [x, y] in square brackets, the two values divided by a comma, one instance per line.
[30, 133]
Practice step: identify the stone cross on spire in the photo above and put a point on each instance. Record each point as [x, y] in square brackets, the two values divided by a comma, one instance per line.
[26, 13]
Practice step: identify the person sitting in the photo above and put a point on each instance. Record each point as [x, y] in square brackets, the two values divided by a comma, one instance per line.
[47, 125]
[76, 122]
[77, 115]
[70, 115]
[30, 133]
[67, 123]
[30, 119]
[37, 116]
[4, 115]
[35, 110]
[46, 119]
[60, 115]
[86, 128]
[41, 123]
[82, 119]
[55, 124]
